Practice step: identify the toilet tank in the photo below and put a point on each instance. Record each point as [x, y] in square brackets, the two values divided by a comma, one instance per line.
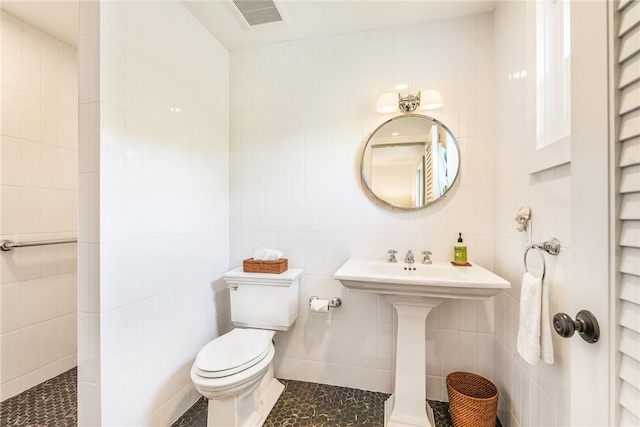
[263, 301]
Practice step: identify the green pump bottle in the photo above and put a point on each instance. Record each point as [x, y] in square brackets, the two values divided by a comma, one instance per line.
[460, 251]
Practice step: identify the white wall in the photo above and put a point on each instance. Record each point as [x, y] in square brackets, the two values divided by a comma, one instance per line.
[39, 194]
[300, 114]
[529, 395]
[154, 218]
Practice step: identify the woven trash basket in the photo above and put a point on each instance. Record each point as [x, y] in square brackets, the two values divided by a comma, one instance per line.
[473, 400]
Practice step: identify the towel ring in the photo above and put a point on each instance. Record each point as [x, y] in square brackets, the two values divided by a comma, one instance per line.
[544, 265]
[551, 246]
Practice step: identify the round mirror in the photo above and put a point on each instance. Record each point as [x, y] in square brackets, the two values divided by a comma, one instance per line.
[410, 161]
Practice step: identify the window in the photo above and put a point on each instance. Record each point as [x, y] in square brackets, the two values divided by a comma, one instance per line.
[553, 68]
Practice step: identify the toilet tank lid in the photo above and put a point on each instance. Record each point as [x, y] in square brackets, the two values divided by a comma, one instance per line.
[236, 348]
[284, 279]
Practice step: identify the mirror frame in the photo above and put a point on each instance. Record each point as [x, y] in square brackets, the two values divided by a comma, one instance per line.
[364, 149]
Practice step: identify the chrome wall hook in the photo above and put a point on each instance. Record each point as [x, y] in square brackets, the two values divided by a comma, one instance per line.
[521, 217]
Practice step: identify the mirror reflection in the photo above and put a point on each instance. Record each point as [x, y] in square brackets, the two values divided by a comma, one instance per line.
[410, 161]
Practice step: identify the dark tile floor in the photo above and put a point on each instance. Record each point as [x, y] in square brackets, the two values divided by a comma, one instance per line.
[302, 404]
[305, 404]
[50, 404]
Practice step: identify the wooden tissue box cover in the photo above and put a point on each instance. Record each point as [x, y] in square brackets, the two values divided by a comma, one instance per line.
[272, 267]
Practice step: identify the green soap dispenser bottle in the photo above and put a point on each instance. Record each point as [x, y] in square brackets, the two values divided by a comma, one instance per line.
[460, 252]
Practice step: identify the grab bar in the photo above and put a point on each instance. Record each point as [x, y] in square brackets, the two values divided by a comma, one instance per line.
[7, 245]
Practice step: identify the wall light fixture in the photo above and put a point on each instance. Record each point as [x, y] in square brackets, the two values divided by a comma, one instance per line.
[391, 102]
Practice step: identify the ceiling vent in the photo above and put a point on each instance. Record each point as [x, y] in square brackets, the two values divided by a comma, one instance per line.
[258, 12]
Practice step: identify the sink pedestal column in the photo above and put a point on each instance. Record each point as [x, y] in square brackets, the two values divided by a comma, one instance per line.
[407, 404]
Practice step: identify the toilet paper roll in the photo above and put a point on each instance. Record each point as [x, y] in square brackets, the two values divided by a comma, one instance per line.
[320, 305]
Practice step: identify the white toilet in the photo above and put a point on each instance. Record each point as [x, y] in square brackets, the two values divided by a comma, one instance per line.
[235, 370]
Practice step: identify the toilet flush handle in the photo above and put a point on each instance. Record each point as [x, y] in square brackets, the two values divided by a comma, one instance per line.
[232, 286]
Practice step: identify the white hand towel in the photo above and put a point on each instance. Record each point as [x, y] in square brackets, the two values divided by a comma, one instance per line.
[534, 332]
[528, 342]
[546, 345]
[267, 254]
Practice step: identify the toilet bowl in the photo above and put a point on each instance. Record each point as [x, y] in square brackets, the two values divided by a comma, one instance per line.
[235, 371]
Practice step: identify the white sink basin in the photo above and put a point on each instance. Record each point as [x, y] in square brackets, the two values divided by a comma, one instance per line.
[440, 279]
[414, 290]
[437, 271]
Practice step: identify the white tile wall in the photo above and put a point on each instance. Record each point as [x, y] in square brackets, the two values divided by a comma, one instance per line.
[530, 395]
[153, 167]
[89, 158]
[300, 113]
[154, 217]
[39, 194]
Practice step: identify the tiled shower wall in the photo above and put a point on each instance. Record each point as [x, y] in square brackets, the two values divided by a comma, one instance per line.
[39, 196]
[300, 114]
[154, 222]
[529, 395]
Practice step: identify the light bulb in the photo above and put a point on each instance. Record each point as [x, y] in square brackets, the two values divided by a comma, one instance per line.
[387, 103]
[430, 99]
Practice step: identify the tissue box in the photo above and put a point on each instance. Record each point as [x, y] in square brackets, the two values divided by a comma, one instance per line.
[272, 267]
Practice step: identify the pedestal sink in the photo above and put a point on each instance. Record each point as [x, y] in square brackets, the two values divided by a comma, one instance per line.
[414, 290]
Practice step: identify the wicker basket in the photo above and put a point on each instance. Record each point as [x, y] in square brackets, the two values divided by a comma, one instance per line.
[473, 400]
[272, 267]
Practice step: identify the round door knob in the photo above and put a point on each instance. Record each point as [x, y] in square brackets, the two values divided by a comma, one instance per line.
[586, 324]
[563, 324]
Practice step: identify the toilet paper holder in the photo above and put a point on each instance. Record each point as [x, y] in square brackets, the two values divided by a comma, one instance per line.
[334, 303]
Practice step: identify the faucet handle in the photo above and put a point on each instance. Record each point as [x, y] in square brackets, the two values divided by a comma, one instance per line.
[408, 258]
[427, 259]
[392, 255]
[392, 251]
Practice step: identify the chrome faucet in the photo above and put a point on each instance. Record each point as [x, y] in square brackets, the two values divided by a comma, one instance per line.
[427, 258]
[392, 255]
[408, 258]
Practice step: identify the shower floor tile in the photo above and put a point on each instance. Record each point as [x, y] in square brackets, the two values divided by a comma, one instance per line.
[52, 403]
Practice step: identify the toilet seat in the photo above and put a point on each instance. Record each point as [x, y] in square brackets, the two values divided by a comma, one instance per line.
[233, 352]
[233, 386]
